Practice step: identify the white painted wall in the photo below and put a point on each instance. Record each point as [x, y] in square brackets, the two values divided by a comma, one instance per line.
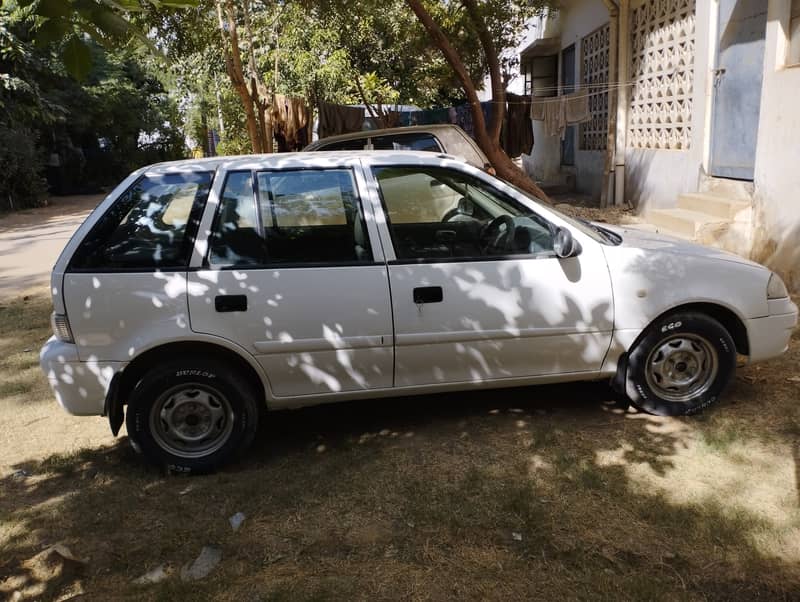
[655, 178]
[544, 162]
[777, 170]
[574, 20]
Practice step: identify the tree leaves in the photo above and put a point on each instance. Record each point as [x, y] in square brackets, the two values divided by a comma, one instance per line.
[77, 58]
[106, 21]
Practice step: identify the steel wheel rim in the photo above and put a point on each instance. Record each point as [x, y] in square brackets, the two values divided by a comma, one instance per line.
[681, 367]
[191, 420]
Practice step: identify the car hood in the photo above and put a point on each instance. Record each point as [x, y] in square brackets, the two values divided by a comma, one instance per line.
[652, 241]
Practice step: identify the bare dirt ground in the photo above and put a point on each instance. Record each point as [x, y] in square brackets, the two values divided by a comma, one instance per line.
[31, 240]
[531, 493]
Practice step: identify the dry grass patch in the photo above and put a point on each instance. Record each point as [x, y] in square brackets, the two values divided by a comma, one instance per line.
[24, 327]
[536, 493]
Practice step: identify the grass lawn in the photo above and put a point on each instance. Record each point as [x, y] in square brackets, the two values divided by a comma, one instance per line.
[534, 493]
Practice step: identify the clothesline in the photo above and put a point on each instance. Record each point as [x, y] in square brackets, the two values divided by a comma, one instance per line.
[545, 99]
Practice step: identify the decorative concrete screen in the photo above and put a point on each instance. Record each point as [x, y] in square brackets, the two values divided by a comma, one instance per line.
[594, 74]
[662, 69]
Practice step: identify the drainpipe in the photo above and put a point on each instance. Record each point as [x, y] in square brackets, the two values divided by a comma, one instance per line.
[623, 61]
[607, 193]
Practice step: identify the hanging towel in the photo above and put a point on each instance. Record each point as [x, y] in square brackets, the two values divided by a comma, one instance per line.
[577, 108]
[339, 119]
[555, 117]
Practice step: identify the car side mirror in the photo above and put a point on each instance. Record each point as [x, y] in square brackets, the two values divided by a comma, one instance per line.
[565, 245]
[465, 207]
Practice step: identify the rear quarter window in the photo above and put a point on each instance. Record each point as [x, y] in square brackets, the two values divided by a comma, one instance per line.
[151, 225]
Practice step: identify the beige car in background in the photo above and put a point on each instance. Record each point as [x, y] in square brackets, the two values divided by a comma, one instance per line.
[443, 138]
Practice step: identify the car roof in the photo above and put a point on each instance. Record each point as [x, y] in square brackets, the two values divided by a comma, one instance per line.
[234, 162]
[409, 129]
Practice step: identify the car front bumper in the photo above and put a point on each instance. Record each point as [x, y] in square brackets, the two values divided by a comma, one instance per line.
[80, 387]
[769, 336]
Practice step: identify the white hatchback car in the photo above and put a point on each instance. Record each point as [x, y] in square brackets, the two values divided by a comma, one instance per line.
[200, 293]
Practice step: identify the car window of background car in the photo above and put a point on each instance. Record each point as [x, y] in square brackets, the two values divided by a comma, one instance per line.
[305, 217]
[151, 225]
[437, 212]
[352, 144]
[420, 142]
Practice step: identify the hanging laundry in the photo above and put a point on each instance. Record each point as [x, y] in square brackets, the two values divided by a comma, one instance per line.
[577, 108]
[288, 116]
[560, 111]
[555, 117]
[518, 131]
[339, 119]
[537, 109]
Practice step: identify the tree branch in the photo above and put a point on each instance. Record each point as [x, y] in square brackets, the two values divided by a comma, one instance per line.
[453, 59]
[493, 61]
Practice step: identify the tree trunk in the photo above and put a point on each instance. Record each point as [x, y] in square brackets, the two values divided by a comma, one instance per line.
[488, 138]
[233, 66]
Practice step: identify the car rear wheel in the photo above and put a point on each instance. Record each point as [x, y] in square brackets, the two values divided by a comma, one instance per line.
[681, 365]
[192, 415]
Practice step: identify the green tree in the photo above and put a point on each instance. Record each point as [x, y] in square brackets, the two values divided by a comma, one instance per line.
[88, 133]
[106, 22]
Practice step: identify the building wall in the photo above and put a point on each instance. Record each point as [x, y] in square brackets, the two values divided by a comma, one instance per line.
[544, 162]
[777, 170]
[655, 177]
[574, 20]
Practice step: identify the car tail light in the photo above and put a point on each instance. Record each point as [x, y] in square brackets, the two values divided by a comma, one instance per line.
[61, 328]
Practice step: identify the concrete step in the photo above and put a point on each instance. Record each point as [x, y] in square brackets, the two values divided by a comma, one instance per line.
[716, 205]
[683, 221]
[730, 189]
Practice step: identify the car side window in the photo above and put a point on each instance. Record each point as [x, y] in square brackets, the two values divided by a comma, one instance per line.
[436, 213]
[307, 216]
[151, 225]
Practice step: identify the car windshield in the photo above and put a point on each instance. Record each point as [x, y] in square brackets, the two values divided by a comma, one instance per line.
[594, 231]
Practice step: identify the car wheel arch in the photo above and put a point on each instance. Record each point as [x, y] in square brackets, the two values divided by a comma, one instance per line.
[727, 317]
[138, 367]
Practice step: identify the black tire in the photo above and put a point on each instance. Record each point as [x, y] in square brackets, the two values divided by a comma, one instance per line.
[192, 415]
[681, 365]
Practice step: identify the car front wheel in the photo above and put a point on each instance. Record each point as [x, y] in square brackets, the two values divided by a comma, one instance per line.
[681, 365]
[192, 415]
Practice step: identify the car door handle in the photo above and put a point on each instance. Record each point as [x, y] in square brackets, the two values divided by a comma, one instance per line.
[227, 303]
[428, 294]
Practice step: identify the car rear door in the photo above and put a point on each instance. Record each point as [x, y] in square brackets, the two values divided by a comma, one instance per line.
[463, 314]
[293, 271]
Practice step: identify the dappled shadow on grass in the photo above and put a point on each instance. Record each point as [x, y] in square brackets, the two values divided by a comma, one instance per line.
[520, 493]
[24, 327]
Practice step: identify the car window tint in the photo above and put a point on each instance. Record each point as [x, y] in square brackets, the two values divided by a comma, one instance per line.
[236, 239]
[301, 217]
[420, 142]
[151, 225]
[441, 213]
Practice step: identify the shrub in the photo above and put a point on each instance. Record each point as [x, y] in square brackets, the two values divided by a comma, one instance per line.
[21, 184]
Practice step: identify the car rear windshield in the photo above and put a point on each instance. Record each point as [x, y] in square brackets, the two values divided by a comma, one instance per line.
[151, 225]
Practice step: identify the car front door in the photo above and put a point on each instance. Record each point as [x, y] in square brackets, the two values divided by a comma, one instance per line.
[478, 293]
[293, 273]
